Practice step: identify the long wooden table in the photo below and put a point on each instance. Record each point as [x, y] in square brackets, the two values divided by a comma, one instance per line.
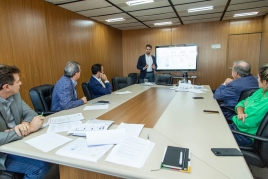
[173, 118]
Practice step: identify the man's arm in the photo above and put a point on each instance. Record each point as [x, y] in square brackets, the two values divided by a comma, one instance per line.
[225, 92]
[97, 88]
[139, 64]
[66, 97]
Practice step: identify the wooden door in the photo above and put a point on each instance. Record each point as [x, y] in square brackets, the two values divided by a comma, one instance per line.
[244, 47]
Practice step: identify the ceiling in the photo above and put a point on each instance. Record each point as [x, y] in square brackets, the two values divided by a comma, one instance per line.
[175, 11]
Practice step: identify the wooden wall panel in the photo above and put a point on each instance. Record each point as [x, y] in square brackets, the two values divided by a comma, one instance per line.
[264, 42]
[24, 33]
[134, 42]
[242, 26]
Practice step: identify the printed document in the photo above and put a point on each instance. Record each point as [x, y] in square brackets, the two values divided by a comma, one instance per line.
[131, 129]
[106, 137]
[123, 92]
[54, 128]
[133, 152]
[79, 149]
[67, 118]
[90, 125]
[48, 141]
[97, 107]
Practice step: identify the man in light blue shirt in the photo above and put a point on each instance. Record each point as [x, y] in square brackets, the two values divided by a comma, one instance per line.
[64, 94]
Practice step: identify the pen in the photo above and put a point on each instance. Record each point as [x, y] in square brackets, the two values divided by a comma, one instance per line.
[181, 158]
[148, 135]
[42, 114]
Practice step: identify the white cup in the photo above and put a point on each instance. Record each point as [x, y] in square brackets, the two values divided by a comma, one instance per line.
[145, 80]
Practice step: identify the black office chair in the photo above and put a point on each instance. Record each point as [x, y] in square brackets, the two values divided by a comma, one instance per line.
[162, 79]
[86, 90]
[10, 175]
[121, 82]
[41, 97]
[134, 78]
[257, 154]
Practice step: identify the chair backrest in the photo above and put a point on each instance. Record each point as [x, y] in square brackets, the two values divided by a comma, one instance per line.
[134, 78]
[161, 79]
[86, 90]
[121, 82]
[246, 93]
[262, 147]
[41, 97]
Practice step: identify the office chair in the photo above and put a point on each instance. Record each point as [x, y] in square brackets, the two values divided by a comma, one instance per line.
[86, 90]
[41, 97]
[134, 78]
[121, 82]
[161, 79]
[257, 154]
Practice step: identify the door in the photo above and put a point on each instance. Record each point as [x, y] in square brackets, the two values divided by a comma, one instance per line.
[244, 47]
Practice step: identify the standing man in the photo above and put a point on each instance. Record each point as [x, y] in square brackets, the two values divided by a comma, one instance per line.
[17, 120]
[64, 95]
[229, 92]
[147, 64]
[99, 85]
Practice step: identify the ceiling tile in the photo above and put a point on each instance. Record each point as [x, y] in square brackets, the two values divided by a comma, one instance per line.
[152, 11]
[100, 12]
[85, 5]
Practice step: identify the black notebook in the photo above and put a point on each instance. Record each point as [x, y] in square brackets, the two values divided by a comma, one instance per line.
[103, 102]
[176, 157]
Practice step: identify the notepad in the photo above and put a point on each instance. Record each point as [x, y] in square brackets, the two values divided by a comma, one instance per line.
[176, 157]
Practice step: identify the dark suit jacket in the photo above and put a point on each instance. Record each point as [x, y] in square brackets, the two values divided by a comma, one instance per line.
[142, 63]
[20, 111]
[230, 93]
[97, 89]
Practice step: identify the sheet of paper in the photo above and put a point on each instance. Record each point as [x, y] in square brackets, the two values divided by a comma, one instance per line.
[131, 129]
[48, 141]
[67, 118]
[106, 137]
[97, 107]
[79, 149]
[197, 91]
[147, 84]
[90, 125]
[133, 152]
[123, 92]
[53, 128]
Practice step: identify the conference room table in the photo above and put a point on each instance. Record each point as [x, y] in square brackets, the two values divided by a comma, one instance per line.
[171, 119]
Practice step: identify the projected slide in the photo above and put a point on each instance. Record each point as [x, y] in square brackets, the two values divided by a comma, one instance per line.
[176, 58]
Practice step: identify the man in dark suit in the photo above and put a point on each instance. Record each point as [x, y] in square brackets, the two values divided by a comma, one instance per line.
[99, 84]
[64, 95]
[17, 120]
[229, 92]
[147, 64]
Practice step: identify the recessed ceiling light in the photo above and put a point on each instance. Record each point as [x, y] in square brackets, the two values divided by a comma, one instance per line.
[163, 23]
[200, 9]
[246, 14]
[137, 2]
[115, 20]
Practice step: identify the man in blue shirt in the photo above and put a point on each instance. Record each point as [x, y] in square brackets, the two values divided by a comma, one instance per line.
[99, 84]
[229, 92]
[64, 94]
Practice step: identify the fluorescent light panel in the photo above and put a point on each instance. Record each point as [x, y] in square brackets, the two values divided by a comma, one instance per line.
[115, 20]
[246, 14]
[163, 23]
[137, 2]
[201, 9]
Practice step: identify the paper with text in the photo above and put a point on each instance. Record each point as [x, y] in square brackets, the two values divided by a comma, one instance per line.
[131, 129]
[97, 107]
[66, 118]
[48, 141]
[79, 149]
[133, 152]
[106, 137]
[54, 128]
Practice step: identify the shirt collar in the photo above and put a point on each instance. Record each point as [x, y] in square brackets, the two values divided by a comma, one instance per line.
[74, 82]
[99, 79]
[7, 101]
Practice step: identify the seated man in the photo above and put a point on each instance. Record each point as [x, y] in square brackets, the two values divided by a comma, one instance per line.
[64, 95]
[97, 80]
[251, 111]
[229, 92]
[17, 120]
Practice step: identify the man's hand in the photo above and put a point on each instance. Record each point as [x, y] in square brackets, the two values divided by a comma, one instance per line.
[84, 99]
[103, 77]
[153, 66]
[22, 129]
[36, 123]
[228, 80]
[145, 67]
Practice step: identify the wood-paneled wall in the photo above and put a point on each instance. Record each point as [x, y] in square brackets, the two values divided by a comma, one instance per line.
[212, 63]
[264, 42]
[39, 38]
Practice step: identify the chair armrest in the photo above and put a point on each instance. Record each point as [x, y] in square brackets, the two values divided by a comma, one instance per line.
[227, 107]
[46, 113]
[264, 139]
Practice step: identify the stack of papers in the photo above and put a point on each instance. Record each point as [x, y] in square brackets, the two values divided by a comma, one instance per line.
[123, 92]
[97, 107]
